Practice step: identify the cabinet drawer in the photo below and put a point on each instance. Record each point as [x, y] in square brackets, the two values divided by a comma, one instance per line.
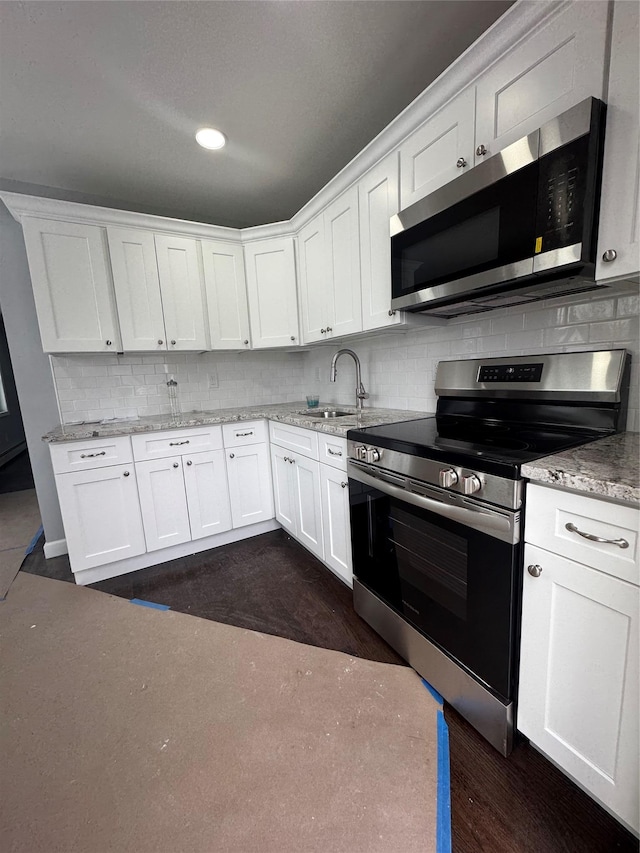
[156, 445]
[84, 455]
[332, 451]
[251, 432]
[552, 515]
[304, 441]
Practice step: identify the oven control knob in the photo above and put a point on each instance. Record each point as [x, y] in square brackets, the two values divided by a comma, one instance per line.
[471, 484]
[372, 454]
[448, 478]
[360, 452]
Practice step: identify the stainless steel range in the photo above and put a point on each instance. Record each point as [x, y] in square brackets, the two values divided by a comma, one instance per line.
[436, 516]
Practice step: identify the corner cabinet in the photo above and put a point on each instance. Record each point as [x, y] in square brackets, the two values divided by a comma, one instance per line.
[72, 287]
[578, 686]
[618, 236]
[271, 289]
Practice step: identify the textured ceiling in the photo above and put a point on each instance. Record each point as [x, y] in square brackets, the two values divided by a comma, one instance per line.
[103, 98]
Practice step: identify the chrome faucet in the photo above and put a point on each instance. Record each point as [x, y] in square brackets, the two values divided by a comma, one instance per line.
[361, 394]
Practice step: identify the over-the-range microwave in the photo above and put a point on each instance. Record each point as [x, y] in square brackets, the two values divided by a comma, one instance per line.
[519, 227]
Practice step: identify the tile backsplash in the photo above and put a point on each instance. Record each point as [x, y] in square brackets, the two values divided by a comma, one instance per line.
[398, 369]
[95, 387]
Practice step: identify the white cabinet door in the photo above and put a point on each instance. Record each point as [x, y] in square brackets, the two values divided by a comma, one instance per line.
[72, 286]
[182, 292]
[313, 282]
[205, 480]
[226, 291]
[283, 488]
[101, 514]
[271, 286]
[429, 157]
[163, 502]
[619, 208]
[335, 521]
[342, 238]
[308, 507]
[137, 286]
[250, 484]
[379, 201]
[578, 694]
[554, 69]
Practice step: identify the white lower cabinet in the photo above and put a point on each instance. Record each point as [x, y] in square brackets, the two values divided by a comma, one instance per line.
[579, 661]
[334, 489]
[101, 513]
[296, 486]
[163, 501]
[205, 482]
[249, 484]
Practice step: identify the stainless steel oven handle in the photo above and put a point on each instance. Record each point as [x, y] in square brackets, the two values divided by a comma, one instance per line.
[501, 526]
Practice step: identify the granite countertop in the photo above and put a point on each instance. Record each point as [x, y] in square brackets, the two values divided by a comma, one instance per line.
[296, 414]
[605, 468]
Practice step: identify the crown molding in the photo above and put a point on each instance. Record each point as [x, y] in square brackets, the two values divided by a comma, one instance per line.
[20, 205]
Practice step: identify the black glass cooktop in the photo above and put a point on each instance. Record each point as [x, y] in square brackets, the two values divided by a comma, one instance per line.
[494, 447]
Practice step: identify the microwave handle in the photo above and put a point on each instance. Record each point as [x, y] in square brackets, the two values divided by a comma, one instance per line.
[503, 526]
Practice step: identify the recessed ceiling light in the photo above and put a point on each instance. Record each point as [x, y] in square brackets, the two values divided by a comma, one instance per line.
[211, 138]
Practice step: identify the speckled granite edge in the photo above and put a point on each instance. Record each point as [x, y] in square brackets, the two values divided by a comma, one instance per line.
[606, 468]
[295, 414]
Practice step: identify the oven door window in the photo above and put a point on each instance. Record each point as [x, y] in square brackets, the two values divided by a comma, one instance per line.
[492, 228]
[455, 585]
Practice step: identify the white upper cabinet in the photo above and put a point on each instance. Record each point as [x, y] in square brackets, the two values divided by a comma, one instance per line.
[271, 288]
[313, 280]
[182, 292]
[439, 150]
[542, 76]
[226, 292]
[329, 252]
[379, 201]
[72, 286]
[137, 286]
[619, 211]
[342, 241]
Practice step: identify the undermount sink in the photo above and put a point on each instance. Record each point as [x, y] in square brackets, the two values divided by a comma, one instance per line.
[328, 413]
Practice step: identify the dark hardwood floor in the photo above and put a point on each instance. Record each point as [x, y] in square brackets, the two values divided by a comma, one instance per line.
[520, 804]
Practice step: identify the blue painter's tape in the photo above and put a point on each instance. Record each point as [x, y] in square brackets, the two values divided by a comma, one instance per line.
[152, 604]
[34, 541]
[443, 828]
[433, 692]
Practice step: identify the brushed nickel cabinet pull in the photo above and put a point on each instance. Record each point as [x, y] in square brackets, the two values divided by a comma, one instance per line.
[621, 543]
[176, 443]
[91, 455]
[242, 434]
[334, 452]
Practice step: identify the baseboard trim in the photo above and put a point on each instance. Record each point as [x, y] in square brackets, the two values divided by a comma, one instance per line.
[55, 548]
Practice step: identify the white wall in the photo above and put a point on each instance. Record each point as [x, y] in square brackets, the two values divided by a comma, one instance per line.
[399, 370]
[31, 368]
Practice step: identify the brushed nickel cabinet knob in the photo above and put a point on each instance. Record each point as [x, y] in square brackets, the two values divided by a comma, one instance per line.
[481, 150]
[160, 342]
[108, 343]
[176, 465]
[173, 343]
[461, 163]
[609, 255]
[534, 571]
[245, 342]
